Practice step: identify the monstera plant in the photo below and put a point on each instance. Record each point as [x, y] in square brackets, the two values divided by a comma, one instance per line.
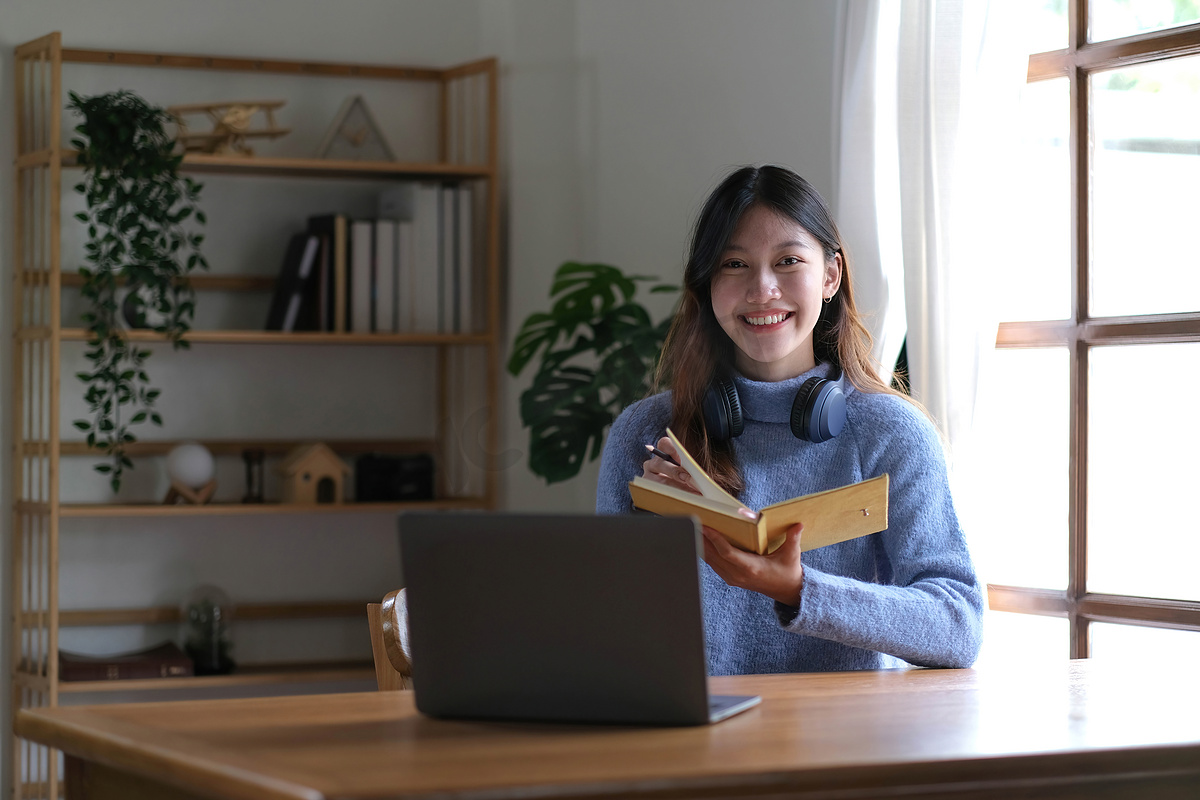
[138, 244]
[596, 352]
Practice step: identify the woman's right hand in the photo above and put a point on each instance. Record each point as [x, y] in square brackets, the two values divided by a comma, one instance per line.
[662, 471]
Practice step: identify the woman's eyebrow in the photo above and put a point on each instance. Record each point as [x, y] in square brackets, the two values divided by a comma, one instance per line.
[790, 244]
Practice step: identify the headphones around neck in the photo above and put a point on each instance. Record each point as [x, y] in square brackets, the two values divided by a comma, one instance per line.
[818, 410]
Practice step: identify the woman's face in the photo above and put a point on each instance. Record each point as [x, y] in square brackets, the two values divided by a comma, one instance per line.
[767, 293]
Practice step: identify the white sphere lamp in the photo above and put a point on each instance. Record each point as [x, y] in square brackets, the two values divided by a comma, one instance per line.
[192, 471]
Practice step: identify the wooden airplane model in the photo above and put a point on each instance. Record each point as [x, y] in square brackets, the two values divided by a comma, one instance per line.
[232, 126]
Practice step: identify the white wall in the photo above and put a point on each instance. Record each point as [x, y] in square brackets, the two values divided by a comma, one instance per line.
[618, 116]
[665, 97]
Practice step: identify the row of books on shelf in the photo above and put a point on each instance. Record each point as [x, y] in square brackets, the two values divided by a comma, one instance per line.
[413, 268]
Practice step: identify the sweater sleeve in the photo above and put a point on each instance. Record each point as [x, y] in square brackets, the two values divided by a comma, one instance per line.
[642, 423]
[928, 611]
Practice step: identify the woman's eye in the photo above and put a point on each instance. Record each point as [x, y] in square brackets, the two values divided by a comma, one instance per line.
[734, 264]
[789, 261]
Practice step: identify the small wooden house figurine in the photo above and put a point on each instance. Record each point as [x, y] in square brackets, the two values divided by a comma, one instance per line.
[312, 473]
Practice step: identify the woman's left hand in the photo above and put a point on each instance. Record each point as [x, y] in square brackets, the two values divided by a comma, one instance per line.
[778, 575]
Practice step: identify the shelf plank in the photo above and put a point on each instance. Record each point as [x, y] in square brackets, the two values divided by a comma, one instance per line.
[169, 615]
[94, 510]
[323, 167]
[292, 337]
[35, 159]
[200, 282]
[31, 508]
[25, 679]
[249, 675]
[235, 447]
[76, 55]
[319, 167]
[36, 333]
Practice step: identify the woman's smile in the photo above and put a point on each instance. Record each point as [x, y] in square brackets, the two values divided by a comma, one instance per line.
[765, 321]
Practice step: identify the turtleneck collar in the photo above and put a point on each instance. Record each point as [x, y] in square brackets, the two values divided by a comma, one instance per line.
[772, 402]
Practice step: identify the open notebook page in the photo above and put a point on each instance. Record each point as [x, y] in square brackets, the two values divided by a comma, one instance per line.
[707, 486]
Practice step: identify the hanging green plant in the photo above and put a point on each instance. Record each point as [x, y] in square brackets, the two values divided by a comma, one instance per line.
[137, 204]
[599, 350]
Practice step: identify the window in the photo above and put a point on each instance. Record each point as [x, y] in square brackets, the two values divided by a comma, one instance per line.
[1098, 363]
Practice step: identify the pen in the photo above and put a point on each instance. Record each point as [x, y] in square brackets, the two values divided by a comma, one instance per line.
[655, 451]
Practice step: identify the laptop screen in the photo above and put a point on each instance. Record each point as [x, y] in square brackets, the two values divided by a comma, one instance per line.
[555, 617]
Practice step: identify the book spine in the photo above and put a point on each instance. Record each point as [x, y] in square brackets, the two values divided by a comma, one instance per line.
[464, 261]
[340, 247]
[447, 301]
[426, 259]
[405, 287]
[287, 284]
[303, 299]
[362, 236]
[385, 275]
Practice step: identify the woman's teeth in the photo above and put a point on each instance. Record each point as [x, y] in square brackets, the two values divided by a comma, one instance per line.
[769, 319]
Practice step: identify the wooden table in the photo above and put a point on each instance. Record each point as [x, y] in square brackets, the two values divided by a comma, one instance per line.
[1077, 729]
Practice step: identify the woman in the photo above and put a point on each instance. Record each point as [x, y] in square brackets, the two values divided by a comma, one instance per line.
[767, 318]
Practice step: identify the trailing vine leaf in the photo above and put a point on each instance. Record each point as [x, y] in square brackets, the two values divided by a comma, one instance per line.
[598, 349]
[137, 205]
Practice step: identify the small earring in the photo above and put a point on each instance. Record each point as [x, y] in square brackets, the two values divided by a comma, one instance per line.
[829, 299]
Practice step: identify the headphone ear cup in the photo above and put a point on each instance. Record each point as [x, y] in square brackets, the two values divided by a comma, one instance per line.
[819, 410]
[722, 410]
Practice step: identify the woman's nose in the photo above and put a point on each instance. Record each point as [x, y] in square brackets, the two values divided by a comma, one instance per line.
[763, 287]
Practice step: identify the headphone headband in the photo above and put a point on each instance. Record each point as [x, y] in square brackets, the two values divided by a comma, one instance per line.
[818, 410]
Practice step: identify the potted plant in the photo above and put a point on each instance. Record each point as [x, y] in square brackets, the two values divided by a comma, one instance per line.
[598, 349]
[137, 207]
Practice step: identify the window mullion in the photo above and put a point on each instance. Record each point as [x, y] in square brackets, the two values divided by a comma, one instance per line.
[1081, 220]
[1077, 503]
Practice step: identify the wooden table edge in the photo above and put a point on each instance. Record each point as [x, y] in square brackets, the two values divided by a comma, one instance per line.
[183, 765]
[1039, 774]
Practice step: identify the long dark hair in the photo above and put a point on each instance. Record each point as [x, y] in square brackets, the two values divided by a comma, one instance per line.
[697, 350]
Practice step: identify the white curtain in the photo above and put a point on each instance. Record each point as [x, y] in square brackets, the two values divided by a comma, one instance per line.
[930, 95]
[868, 174]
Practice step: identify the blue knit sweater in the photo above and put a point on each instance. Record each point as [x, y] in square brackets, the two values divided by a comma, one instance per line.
[906, 594]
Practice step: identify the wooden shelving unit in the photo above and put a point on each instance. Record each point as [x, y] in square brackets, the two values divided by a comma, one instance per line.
[467, 150]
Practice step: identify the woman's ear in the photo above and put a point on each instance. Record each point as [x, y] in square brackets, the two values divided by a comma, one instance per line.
[833, 275]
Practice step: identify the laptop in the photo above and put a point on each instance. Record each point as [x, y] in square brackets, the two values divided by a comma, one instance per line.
[559, 618]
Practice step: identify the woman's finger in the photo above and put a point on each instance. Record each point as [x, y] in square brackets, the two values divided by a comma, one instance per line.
[663, 471]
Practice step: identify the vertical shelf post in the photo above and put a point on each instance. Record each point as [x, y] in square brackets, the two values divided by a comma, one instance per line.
[36, 363]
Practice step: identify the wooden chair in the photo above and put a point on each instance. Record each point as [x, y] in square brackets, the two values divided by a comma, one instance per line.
[389, 642]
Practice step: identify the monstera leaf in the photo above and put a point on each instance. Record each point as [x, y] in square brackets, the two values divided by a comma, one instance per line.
[598, 348]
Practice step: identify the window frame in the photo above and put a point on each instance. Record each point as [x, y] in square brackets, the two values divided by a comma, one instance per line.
[1082, 332]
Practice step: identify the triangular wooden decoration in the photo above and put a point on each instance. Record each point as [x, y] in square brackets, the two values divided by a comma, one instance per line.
[355, 135]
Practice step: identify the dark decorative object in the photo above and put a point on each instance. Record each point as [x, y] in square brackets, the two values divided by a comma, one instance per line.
[163, 661]
[354, 135]
[137, 204]
[598, 350]
[254, 475]
[208, 612]
[382, 479]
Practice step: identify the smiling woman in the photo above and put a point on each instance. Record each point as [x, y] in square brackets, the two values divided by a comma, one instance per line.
[767, 329]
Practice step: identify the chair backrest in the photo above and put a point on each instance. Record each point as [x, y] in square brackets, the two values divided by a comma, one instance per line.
[388, 622]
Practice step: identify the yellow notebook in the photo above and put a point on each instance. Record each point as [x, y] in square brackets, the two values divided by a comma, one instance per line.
[829, 517]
